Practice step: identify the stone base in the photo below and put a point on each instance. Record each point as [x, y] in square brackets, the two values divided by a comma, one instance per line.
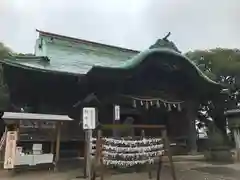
[219, 156]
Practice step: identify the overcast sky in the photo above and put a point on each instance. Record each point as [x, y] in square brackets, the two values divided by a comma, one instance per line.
[132, 24]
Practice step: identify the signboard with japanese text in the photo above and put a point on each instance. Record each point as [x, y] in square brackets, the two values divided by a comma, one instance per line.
[89, 118]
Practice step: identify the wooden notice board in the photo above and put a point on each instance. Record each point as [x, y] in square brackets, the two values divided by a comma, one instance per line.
[10, 150]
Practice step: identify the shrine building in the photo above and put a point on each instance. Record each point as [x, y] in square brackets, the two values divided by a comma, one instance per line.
[157, 86]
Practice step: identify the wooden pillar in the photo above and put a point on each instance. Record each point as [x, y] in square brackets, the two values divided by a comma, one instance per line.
[98, 158]
[115, 131]
[58, 141]
[85, 173]
[53, 139]
[236, 135]
[147, 165]
[88, 154]
[191, 115]
[169, 154]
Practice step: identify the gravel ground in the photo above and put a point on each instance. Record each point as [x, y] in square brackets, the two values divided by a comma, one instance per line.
[187, 168]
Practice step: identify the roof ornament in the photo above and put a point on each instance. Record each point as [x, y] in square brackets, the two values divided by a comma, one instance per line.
[165, 43]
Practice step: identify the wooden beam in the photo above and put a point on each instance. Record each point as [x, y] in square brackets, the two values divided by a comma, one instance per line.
[122, 126]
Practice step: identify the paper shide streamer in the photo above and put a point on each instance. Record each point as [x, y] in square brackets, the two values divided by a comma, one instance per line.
[156, 102]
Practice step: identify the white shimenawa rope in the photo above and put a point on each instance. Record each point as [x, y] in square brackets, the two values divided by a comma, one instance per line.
[127, 163]
[132, 149]
[130, 152]
[133, 155]
[143, 141]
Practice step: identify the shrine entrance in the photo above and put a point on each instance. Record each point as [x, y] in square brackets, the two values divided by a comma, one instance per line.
[159, 86]
[172, 115]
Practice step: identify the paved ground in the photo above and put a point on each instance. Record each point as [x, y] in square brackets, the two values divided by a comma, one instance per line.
[187, 168]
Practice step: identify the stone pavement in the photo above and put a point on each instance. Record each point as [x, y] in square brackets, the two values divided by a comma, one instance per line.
[186, 168]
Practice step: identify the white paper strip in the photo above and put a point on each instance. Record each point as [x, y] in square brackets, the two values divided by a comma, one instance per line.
[127, 163]
[143, 141]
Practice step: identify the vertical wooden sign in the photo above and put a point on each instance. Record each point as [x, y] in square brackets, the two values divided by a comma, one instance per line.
[10, 150]
[116, 112]
[89, 123]
[89, 118]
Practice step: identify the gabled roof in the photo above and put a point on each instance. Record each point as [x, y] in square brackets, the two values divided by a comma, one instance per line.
[87, 58]
[77, 40]
[34, 63]
[62, 66]
[85, 61]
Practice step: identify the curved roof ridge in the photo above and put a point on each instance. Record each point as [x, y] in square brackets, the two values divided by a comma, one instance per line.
[141, 57]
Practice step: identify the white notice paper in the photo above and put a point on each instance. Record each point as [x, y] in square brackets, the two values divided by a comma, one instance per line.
[89, 118]
[117, 112]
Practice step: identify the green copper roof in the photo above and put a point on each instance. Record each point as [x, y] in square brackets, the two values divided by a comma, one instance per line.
[73, 67]
[203, 84]
[163, 52]
[139, 59]
[74, 60]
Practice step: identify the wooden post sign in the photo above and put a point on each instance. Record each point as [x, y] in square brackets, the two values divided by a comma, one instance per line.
[89, 123]
[89, 118]
[116, 112]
